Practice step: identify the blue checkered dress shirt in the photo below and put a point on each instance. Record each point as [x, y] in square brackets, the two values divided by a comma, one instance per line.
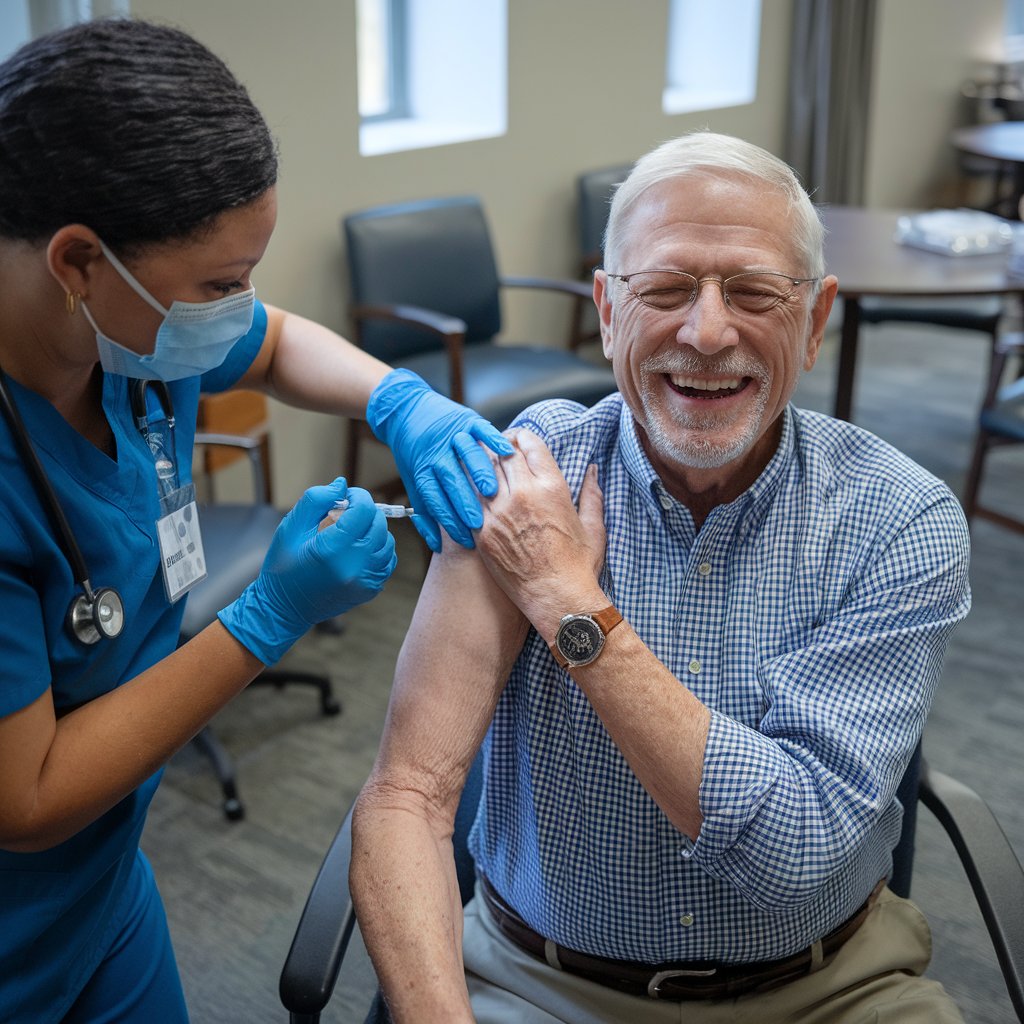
[811, 616]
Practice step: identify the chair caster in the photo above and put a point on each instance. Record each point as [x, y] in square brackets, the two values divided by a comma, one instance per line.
[234, 809]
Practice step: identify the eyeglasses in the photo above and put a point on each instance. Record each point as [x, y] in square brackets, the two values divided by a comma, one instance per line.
[753, 292]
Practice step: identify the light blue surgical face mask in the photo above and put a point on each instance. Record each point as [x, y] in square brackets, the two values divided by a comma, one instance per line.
[193, 338]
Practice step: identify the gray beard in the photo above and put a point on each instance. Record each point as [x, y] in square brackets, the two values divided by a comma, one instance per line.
[679, 445]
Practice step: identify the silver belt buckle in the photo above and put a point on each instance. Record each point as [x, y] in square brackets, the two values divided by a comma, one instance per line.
[655, 983]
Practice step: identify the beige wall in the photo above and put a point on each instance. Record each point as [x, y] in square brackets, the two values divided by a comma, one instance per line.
[924, 51]
[584, 92]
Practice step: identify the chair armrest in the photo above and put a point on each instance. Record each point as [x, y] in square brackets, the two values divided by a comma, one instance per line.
[992, 868]
[577, 289]
[451, 329]
[253, 448]
[581, 291]
[412, 316]
[322, 937]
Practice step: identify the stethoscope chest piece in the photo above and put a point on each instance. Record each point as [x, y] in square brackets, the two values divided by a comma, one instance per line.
[96, 614]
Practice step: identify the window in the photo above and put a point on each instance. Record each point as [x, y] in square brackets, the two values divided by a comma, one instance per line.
[14, 28]
[383, 92]
[1013, 30]
[22, 20]
[712, 54]
[431, 72]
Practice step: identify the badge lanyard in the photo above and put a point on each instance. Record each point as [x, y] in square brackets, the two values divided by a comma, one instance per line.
[182, 560]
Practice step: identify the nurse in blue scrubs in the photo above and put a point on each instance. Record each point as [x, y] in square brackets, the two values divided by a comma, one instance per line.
[136, 198]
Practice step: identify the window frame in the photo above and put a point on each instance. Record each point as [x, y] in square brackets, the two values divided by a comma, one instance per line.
[396, 57]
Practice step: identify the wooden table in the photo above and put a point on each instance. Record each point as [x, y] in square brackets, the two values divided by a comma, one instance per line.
[1002, 141]
[861, 250]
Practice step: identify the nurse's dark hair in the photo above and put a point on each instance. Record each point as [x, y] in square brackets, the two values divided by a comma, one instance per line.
[134, 129]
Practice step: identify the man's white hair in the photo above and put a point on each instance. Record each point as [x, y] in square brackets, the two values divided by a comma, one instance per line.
[704, 152]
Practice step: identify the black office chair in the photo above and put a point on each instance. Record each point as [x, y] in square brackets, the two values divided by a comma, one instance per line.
[426, 295]
[997, 879]
[594, 191]
[236, 536]
[1000, 423]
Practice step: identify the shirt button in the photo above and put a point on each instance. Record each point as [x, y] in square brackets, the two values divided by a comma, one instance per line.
[665, 501]
[686, 920]
[694, 666]
[704, 568]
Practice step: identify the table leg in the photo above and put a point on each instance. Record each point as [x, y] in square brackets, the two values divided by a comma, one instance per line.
[1018, 192]
[847, 365]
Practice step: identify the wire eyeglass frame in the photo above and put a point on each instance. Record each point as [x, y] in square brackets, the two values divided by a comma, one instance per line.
[757, 302]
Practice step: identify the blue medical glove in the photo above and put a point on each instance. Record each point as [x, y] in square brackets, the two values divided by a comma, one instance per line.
[428, 435]
[310, 575]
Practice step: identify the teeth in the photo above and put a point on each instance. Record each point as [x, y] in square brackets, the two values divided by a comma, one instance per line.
[705, 385]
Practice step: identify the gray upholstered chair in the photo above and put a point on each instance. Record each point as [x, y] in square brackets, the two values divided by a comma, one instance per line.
[594, 191]
[236, 536]
[1000, 422]
[426, 295]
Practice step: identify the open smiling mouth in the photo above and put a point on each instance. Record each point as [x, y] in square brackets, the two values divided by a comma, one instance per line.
[694, 387]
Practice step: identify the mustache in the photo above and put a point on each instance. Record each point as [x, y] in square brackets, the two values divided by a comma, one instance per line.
[692, 364]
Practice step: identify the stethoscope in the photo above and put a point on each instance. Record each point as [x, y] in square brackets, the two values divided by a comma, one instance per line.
[96, 613]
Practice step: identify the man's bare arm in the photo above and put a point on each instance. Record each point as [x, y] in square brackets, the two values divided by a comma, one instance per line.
[456, 657]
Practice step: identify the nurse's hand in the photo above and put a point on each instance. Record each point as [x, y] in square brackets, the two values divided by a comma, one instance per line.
[312, 574]
[436, 444]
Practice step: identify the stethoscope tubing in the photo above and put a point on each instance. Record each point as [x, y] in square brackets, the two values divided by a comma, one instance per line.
[62, 528]
[97, 612]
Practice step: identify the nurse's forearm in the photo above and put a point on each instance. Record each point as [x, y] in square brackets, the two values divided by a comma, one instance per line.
[59, 775]
[309, 366]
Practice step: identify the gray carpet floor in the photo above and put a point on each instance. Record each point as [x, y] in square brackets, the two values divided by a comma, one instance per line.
[235, 890]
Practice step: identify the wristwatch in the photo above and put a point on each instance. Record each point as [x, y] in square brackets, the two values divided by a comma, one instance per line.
[581, 637]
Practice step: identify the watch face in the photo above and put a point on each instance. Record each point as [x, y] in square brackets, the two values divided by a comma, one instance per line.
[580, 640]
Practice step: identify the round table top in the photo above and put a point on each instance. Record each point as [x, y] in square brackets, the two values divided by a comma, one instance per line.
[862, 251]
[1000, 140]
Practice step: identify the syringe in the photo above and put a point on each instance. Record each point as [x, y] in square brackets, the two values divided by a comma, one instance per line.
[390, 511]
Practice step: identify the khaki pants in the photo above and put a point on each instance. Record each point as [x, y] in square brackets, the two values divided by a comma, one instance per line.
[874, 979]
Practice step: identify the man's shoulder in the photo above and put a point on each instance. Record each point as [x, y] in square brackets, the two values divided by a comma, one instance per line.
[568, 427]
[841, 458]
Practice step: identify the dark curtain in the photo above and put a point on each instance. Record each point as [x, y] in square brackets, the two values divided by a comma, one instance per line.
[829, 94]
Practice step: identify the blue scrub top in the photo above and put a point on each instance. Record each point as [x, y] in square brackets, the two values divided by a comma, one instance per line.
[57, 907]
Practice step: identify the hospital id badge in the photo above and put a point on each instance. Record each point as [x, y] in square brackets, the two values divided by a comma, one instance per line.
[181, 544]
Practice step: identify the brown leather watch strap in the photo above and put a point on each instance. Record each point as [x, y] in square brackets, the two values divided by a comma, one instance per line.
[607, 618]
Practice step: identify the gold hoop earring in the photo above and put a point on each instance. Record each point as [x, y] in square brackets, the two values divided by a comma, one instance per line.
[70, 301]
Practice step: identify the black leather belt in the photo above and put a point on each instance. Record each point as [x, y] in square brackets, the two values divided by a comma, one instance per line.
[673, 981]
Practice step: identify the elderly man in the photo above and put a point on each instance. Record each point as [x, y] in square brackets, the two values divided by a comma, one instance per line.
[702, 631]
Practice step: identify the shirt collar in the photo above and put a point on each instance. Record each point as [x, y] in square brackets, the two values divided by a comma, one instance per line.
[754, 499]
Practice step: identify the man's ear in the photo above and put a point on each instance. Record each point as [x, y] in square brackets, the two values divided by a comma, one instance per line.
[72, 255]
[819, 319]
[603, 301]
